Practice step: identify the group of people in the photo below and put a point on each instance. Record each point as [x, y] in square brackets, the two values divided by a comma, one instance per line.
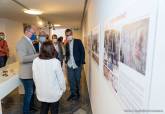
[41, 73]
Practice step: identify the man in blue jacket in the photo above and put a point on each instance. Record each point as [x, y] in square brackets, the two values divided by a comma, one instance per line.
[75, 58]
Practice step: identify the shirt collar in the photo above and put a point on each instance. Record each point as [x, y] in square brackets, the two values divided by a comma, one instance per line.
[71, 41]
[28, 39]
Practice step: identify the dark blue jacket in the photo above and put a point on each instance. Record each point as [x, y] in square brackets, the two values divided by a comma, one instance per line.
[78, 52]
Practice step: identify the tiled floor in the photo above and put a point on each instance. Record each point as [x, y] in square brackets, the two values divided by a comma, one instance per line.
[12, 104]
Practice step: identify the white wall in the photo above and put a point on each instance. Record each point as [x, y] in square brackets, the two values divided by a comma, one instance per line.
[157, 95]
[102, 96]
[14, 32]
[77, 34]
[2, 27]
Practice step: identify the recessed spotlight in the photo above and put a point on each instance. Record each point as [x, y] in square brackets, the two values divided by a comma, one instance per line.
[40, 23]
[32, 12]
[57, 25]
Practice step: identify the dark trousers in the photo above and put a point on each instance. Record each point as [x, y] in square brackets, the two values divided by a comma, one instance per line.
[35, 104]
[3, 60]
[74, 76]
[45, 107]
[29, 92]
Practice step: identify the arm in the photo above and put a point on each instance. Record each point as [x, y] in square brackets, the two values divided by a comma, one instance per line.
[60, 76]
[4, 49]
[23, 57]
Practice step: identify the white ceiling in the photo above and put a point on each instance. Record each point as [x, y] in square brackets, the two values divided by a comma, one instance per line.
[65, 12]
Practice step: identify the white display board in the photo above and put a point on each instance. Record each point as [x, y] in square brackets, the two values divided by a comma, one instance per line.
[95, 43]
[128, 48]
[9, 80]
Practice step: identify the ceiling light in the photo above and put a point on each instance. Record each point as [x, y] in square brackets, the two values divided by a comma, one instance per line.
[32, 12]
[40, 23]
[57, 25]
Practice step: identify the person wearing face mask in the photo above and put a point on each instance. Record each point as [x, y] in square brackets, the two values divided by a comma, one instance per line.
[35, 42]
[4, 50]
[55, 42]
[58, 46]
[75, 58]
[26, 54]
[62, 49]
[42, 38]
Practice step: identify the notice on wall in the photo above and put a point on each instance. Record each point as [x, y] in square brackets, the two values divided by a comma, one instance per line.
[135, 57]
[112, 30]
[95, 40]
[126, 61]
[133, 49]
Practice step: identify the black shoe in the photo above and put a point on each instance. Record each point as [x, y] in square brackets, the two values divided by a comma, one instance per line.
[34, 109]
[70, 97]
[78, 94]
[76, 98]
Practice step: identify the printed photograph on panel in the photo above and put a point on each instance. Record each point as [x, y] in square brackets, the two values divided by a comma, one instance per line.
[89, 54]
[95, 47]
[89, 45]
[111, 56]
[133, 51]
[111, 49]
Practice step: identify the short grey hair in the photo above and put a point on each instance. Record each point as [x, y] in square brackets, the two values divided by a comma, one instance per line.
[27, 28]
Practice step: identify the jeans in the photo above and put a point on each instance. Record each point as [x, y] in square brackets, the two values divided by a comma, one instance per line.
[74, 76]
[45, 107]
[29, 90]
[2, 61]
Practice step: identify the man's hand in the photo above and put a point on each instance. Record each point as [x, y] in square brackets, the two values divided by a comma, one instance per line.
[35, 42]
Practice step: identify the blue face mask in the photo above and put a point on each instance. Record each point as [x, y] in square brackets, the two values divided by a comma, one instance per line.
[33, 37]
[42, 39]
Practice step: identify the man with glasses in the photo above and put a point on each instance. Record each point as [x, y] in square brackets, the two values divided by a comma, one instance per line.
[26, 54]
